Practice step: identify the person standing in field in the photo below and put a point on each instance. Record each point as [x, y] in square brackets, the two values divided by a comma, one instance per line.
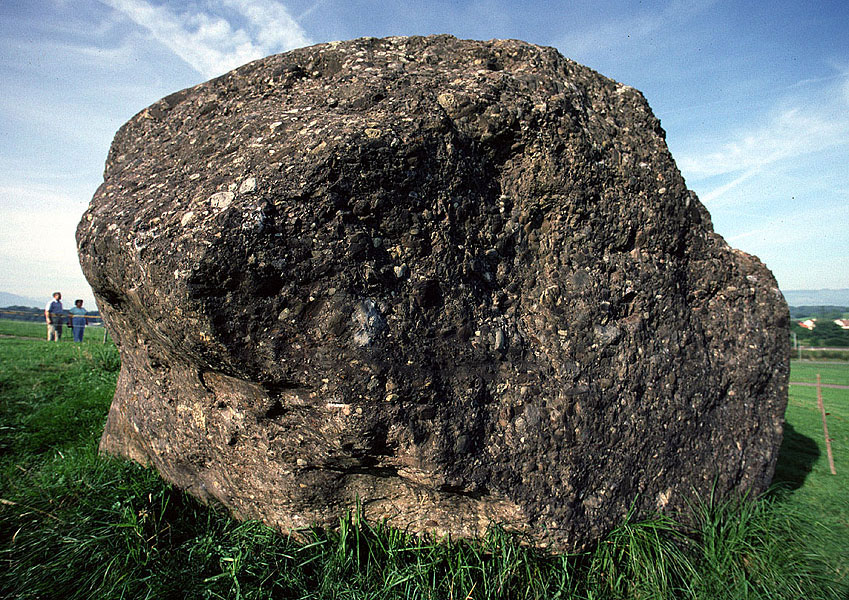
[76, 316]
[54, 314]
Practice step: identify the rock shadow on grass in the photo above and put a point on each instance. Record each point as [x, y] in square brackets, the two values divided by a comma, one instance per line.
[796, 459]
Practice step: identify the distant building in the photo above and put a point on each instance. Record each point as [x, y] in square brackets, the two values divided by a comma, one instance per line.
[842, 323]
[808, 324]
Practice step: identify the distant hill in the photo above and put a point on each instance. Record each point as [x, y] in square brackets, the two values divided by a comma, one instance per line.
[817, 297]
[7, 299]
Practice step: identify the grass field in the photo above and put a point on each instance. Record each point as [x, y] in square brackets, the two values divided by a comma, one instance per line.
[830, 372]
[38, 330]
[24, 329]
[77, 525]
[821, 498]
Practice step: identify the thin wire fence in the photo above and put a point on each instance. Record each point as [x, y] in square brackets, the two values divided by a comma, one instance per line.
[37, 317]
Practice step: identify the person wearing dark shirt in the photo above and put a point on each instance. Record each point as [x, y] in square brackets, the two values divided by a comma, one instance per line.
[54, 314]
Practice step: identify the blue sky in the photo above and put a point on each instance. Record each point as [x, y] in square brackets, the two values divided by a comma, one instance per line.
[754, 97]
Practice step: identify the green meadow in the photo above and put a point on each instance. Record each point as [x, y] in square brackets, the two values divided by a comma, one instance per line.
[74, 524]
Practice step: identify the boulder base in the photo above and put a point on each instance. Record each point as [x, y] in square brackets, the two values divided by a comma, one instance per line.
[458, 281]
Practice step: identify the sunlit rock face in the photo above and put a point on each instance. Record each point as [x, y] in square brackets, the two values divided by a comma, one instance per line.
[460, 281]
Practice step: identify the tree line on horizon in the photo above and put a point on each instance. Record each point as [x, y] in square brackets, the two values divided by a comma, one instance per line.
[826, 333]
[29, 313]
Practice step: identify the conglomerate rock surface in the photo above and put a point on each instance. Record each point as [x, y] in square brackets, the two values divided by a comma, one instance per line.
[458, 281]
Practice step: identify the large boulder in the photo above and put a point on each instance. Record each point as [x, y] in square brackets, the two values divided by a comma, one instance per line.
[458, 281]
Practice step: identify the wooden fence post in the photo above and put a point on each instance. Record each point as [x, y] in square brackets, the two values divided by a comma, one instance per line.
[825, 427]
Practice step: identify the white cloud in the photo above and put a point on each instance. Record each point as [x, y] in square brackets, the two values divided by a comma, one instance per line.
[777, 232]
[778, 241]
[610, 33]
[607, 35]
[805, 125]
[38, 225]
[122, 54]
[211, 43]
[270, 23]
[709, 197]
[790, 133]
[48, 193]
[37, 240]
[310, 10]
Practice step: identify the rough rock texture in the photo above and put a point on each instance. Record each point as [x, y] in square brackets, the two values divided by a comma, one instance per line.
[461, 281]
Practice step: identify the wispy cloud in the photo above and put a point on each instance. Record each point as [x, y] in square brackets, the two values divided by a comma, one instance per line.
[805, 125]
[710, 197]
[22, 227]
[310, 10]
[790, 133]
[775, 232]
[86, 55]
[779, 240]
[797, 127]
[31, 262]
[611, 33]
[215, 41]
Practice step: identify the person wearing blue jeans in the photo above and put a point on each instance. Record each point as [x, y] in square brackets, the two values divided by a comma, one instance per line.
[77, 317]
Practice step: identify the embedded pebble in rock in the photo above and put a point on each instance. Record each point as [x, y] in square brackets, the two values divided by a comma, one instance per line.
[458, 281]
